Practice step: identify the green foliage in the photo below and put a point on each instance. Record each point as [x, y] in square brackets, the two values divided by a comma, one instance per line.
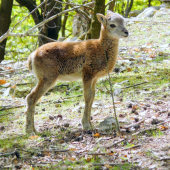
[18, 48]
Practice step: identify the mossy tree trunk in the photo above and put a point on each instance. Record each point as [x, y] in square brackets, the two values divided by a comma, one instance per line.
[5, 20]
[128, 8]
[99, 7]
[112, 5]
[52, 28]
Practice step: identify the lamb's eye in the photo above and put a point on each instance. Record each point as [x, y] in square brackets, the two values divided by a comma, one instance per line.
[112, 25]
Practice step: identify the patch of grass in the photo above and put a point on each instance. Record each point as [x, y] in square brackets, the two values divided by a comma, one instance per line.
[13, 142]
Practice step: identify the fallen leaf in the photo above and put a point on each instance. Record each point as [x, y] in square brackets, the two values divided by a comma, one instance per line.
[46, 153]
[134, 107]
[7, 68]
[163, 127]
[111, 153]
[96, 135]
[13, 87]
[72, 159]
[34, 137]
[72, 149]
[136, 49]
[129, 69]
[2, 82]
[108, 166]
[88, 159]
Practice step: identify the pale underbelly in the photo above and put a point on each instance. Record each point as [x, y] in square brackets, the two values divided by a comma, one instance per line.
[70, 77]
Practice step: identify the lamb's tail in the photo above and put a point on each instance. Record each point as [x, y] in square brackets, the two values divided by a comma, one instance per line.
[30, 58]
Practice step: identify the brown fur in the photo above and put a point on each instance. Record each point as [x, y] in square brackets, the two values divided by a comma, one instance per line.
[84, 60]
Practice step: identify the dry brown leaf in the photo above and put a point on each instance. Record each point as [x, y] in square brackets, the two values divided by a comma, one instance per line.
[13, 87]
[163, 127]
[96, 135]
[88, 159]
[136, 49]
[72, 149]
[46, 153]
[134, 107]
[34, 137]
[72, 159]
[2, 82]
[108, 166]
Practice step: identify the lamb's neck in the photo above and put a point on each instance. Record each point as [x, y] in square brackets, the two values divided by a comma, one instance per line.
[110, 45]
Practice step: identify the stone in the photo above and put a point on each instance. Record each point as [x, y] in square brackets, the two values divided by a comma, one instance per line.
[108, 124]
[22, 92]
[147, 13]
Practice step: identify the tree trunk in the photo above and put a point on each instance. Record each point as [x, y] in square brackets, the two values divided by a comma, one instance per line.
[149, 3]
[128, 8]
[112, 5]
[99, 7]
[5, 20]
[51, 7]
[63, 28]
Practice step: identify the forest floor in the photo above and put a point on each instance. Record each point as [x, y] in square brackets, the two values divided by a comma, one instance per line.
[141, 82]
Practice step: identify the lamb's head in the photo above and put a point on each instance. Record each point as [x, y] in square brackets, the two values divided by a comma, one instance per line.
[113, 24]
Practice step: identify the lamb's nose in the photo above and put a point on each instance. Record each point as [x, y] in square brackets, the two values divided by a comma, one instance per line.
[126, 32]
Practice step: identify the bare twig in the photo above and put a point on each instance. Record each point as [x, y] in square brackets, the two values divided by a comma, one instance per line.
[111, 92]
[142, 131]
[134, 85]
[11, 107]
[135, 146]
[116, 143]
[164, 159]
[163, 122]
[114, 164]
[27, 16]
[27, 33]
[97, 153]
[15, 152]
[132, 125]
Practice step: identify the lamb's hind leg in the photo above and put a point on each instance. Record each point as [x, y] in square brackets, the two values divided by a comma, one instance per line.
[42, 87]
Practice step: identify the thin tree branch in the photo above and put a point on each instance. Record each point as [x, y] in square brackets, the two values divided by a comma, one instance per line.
[27, 16]
[27, 33]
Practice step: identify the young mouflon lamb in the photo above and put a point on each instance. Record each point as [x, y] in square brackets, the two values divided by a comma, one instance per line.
[69, 61]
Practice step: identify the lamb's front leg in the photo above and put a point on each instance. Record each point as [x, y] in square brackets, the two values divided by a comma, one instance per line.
[89, 93]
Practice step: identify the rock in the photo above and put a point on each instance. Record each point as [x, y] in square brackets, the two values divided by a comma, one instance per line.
[58, 105]
[8, 91]
[168, 33]
[165, 148]
[166, 61]
[2, 127]
[108, 124]
[117, 91]
[159, 14]
[51, 117]
[165, 5]
[124, 62]
[4, 62]
[6, 85]
[147, 13]
[135, 13]
[156, 7]
[61, 39]
[22, 92]
[71, 39]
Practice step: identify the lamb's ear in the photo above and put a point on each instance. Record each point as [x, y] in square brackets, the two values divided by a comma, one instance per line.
[101, 18]
[109, 12]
